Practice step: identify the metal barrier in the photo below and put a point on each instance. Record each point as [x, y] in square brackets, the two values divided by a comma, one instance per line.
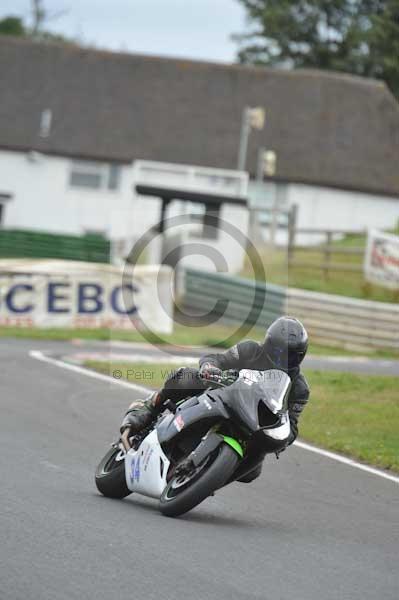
[329, 319]
[346, 321]
[235, 299]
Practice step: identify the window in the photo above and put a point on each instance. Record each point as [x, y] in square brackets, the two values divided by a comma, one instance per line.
[113, 176]
[95, 176]
[4, 198]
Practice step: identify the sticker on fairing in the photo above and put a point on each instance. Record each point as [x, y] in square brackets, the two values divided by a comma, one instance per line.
[207, 404]
[179, 423]
[137, 469]
[147, 457]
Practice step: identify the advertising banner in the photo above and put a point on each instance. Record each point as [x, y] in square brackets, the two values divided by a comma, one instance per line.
[50, 293]
[381, 264]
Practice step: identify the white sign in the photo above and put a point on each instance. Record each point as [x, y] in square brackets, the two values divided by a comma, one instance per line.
[190, 178]
[85, 295]
[381, 265]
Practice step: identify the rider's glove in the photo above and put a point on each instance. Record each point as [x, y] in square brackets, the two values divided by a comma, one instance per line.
[210, 372]
[140, 414]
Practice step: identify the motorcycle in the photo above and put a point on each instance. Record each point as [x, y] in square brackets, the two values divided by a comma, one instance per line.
[203, 443]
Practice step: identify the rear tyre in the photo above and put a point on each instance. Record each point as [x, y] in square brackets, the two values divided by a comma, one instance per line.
[181, 495]
[110, 475]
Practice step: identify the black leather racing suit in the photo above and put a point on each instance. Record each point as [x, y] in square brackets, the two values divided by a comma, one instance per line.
[245, 355]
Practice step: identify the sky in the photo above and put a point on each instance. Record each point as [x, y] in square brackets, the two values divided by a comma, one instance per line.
[198, 29]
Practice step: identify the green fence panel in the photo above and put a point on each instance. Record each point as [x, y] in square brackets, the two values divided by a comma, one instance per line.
[234, 299]
[16, 243]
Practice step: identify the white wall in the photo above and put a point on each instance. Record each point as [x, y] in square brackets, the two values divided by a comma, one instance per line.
[327, 208]
[146, 213]
[230, 245]
[43, 199]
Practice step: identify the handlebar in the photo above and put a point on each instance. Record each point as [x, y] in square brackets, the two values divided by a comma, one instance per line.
[227, 378]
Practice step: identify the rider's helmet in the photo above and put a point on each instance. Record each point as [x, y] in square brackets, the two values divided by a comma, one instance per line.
[286, 343]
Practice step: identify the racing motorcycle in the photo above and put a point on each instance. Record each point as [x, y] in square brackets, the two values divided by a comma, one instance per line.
[203, 443]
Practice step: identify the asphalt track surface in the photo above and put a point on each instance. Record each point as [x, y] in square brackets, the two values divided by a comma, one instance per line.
[310, 528]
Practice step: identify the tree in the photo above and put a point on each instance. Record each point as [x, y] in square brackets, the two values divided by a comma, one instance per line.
[16, 27]
[39, 17]
[355, 36]
[383, 42]
[12, 26]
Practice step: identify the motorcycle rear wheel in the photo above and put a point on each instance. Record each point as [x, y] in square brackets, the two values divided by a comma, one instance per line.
[182, 495]
[110, 475]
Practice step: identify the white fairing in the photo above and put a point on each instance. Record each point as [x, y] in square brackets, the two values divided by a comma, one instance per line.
[147, 467]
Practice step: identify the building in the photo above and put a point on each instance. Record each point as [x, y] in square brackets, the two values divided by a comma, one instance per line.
[74, 120]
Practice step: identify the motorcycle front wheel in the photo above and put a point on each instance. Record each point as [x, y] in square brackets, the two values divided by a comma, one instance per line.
[184, 492]
[110, 475]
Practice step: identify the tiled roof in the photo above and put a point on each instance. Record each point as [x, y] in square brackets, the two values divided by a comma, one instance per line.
[327, 129]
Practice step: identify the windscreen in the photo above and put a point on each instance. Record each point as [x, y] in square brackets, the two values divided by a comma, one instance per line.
[252, 388]
[275, 386]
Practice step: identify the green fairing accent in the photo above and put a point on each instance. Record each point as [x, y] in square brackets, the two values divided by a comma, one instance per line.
[234, 444]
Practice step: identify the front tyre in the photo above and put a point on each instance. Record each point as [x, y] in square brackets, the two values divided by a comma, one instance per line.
[185, 492]
[110, 475]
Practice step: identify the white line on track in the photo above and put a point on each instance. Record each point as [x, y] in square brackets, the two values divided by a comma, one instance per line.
[38, 355]
[347, 461]
[81, 357]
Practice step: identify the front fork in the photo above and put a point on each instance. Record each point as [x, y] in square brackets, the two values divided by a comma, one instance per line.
[125, 440]
[208, 445]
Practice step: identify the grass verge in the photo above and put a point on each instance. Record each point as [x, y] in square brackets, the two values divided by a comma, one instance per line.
[351, 414]
[313, 279]
[182, 336]
[355, 415]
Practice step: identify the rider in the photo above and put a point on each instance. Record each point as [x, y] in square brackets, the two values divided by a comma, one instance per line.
[284, 347]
